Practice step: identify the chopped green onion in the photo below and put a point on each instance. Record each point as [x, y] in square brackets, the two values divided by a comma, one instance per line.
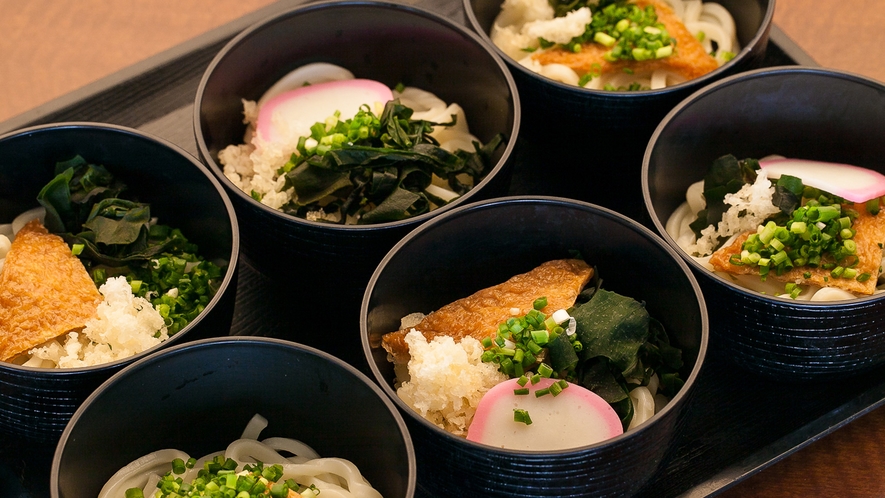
[664, 52]
[604, 39]
[522, 416]
[767, 232]
[555, 389]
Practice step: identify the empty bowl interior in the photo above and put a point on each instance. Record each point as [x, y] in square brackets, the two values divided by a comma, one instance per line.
[198, 398]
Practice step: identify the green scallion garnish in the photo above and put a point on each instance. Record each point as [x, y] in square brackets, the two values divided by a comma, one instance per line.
[521, 416]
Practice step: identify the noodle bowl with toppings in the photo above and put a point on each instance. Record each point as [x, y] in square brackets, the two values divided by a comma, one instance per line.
[617, 45]
[258, 468]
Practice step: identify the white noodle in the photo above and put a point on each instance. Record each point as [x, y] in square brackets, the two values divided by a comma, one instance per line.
[560, 72]
[712, 33]
[717, 14]
[678, 7]
[293, 446]
[138, 473]
[643, 406]
[334, 477]
[692, 11]
[676, 220]
[254, 427]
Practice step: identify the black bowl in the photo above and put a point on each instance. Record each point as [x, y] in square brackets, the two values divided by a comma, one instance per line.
[483, 244]
[601, 135]
[36, 403]
[198, 397]
[808, 113]
[323, 264]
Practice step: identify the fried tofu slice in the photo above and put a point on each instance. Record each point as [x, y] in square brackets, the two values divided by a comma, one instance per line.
[869, 239]
[45, 291]
[690, 60]
[478, 315]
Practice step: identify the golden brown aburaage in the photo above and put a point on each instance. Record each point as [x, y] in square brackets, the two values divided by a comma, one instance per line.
[869, 239]
[479, 314]
[45, 291]
[690, 60]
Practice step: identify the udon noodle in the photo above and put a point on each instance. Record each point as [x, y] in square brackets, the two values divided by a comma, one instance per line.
[332, 477]
[517, 29]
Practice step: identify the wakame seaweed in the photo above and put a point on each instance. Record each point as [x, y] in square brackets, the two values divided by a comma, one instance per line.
[84, 206]
[623, 346]
[379, 168]
[616, 346]
[91, 209]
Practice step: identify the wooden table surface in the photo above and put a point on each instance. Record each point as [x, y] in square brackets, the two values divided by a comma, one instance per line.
[51, 47]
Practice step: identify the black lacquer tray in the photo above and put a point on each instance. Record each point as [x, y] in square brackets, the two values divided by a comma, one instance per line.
[737, 423]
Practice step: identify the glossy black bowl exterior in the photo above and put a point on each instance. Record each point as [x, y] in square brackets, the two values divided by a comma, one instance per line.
[486, 243]
[198, 397]
[386, 42]
[601, 134]
[36, 403]
[799, 112]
